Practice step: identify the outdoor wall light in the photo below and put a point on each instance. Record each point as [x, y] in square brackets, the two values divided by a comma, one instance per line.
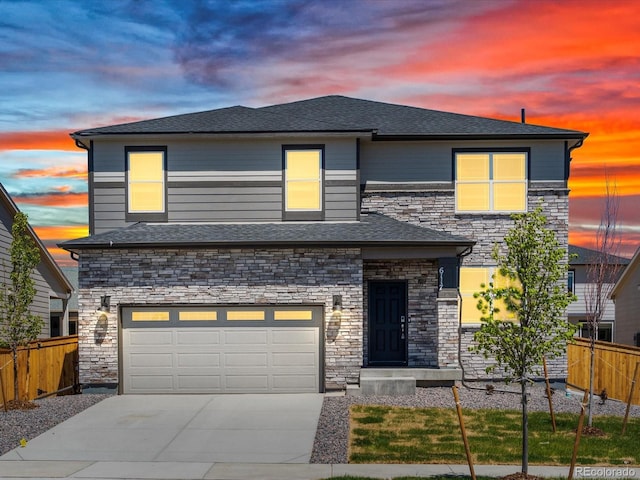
[337, 303]
[102, 326]
[105, 304]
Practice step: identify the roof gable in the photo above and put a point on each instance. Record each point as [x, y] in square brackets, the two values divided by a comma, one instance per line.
[627, 273]
[7, 203]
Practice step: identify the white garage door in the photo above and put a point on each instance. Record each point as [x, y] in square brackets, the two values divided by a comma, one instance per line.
[221, 349]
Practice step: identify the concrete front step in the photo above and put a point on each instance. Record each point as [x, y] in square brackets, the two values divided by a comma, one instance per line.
[420, 374]
[387, 386]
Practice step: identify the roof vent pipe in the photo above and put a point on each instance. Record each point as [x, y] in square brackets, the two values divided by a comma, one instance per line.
[522, 116]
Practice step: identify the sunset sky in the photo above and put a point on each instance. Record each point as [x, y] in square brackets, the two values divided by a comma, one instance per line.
[70, 65]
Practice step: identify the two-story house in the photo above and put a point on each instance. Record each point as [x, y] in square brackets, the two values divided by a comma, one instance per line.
[626, 295]
[297, 246]
[50, 282]
[584, 289]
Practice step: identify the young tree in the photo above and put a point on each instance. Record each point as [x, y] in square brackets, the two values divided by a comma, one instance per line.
[603, 269]
[531, 284]
[18, 326]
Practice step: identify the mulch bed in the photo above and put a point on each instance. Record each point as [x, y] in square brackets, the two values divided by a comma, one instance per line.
[20, 405]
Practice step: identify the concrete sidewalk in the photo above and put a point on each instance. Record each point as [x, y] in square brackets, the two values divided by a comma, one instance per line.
[255, 471]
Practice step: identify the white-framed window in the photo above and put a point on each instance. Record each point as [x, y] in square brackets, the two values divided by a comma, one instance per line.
[303, 167]
[494, 182]
[471, 281]
[146, 172]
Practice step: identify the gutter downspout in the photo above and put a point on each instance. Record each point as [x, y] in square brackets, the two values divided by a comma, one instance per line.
[568, 159]
[74, 256]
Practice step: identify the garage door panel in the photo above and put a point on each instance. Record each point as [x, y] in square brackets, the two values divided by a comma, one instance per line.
[257, 359]
[248, 382]
[289, 382]
[282, 354]
[151, 383]
[304, 359]
[147, 336]
[245, 336]
[152, 360]
[199, 383]
[197, 359]
[294, 336]
[198, 337]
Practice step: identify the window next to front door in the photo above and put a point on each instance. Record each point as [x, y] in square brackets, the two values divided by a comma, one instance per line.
[146, 169]
[303, 172]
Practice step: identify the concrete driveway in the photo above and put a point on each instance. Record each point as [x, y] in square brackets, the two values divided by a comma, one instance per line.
[277, 428]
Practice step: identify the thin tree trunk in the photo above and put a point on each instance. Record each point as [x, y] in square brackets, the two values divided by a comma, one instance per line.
[525, 428]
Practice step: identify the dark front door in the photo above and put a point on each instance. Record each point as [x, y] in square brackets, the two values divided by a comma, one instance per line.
[387, 323]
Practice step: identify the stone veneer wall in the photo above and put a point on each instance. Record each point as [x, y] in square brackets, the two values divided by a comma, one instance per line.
[448, 355]
[220, 276]
[421, 278]
[436, 209]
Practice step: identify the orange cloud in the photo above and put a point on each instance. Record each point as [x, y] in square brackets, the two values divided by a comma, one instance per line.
[530, 37]
[58, 172]
[62, 257]
[61, 233]
[51, 236]
[586, 239]
[43, 140]
[54, 199]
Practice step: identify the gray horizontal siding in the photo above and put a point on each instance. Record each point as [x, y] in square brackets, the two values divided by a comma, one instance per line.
[223, 216]
[239, 190]
[223, 180]
[40, 304]
[247, 205]
[406, 162]
[218, 200]
[109, 215]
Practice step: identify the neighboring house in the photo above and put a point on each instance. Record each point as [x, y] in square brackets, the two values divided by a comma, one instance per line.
[57, 306]
[580, 259]
[626, 296]
[50, 282]
[296, 247]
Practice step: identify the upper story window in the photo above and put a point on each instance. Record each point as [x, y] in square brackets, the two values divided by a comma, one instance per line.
[493, 182]
[146, 190]
[303, 174]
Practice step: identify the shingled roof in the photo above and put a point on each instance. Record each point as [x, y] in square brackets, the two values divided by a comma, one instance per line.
[371, 230]
[335, 113]
[585, 256]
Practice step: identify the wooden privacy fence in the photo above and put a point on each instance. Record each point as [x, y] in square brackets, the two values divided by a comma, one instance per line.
[52, 364]
[614, 368]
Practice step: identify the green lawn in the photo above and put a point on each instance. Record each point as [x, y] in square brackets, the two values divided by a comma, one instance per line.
[382, 434]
